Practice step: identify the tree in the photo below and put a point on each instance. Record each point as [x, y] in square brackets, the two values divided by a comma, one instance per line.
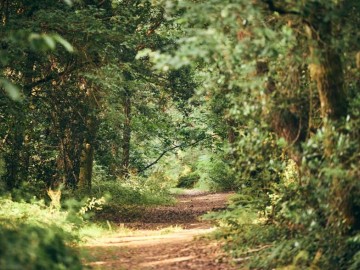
[258, 57]
[70, 95]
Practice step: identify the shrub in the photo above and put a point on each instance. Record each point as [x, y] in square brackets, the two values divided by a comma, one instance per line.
[35, 248]
[136, 190]
[188, 181]
[221, 176]
[303, 222]
[34, 236]
[35, 214]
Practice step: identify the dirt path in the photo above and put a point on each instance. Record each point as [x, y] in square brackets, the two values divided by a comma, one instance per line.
[164, 238]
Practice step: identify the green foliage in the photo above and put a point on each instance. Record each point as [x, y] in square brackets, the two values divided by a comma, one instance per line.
[12, 91]
[28, 191]
[221, 175]
[260, 97]
[34, 236]
[297, 225]
[310, 251]
[32, 247]
[127, 195]
[137, 190]
[254, 76]
[91, 205]
[74, 94]
[188, 180]
[35, 214]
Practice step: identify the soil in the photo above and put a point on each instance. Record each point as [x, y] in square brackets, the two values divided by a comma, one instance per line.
[166, 237]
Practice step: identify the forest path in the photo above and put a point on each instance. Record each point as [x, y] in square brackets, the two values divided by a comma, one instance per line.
[166, 237]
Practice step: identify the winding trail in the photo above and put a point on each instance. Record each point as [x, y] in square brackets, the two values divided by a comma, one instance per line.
[166, 237]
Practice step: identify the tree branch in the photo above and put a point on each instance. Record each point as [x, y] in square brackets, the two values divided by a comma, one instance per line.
[168, 150]
[48, 78]
[279, 10]
[54, 76]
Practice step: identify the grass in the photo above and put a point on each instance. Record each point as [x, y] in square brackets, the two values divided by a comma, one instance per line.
[125, 194]
[182, 191]
[177, 191]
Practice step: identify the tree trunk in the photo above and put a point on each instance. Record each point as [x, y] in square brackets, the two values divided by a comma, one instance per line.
[86, 166]
[17, 162]
[126, 135]
[13, 160]
[87, 152]
[231, 124]
[326, 70]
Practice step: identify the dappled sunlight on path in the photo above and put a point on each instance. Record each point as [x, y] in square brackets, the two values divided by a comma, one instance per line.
[173, 248]
[149, 240]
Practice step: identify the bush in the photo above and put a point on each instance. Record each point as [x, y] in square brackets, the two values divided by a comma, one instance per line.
[35, 214]
[221, 176]
[153, 190]
[310, 222]
[34, 236]
[35, 248]
[188, 181]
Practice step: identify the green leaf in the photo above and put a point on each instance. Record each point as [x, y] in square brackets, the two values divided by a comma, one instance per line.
[68, 2]
[49, 41]
[64, 42]
[144, 53]
[12, 90]
[33, 36]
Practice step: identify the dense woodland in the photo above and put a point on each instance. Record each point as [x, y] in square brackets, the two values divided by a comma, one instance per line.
[124, 100]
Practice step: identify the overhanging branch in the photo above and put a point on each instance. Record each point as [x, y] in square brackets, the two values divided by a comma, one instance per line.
[169, 150]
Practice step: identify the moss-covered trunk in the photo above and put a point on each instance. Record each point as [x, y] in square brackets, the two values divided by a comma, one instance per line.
[327, 72]
[86, 166]
[87, 152]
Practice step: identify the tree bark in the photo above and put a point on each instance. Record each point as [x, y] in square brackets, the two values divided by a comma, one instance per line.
[86, 166]
[326, 70]
[13, 160]
[17, 162]
[87, 152]
[231, 124]
[126, 135]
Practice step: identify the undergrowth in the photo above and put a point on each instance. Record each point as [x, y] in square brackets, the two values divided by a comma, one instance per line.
[42, 233]
[125, 194]
[295, 221]
[153, 189]
[36, 236]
